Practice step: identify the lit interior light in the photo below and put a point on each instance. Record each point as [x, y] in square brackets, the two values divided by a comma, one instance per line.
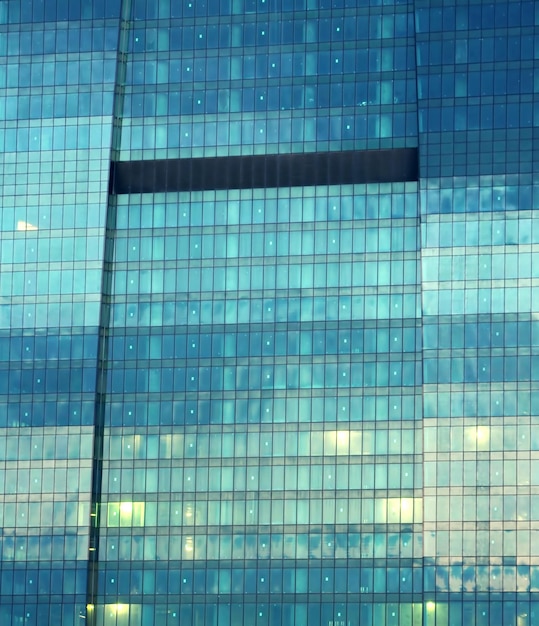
[482, 433]
[22, 225]
[126, 508]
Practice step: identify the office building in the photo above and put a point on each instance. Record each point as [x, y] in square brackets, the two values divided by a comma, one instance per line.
[269, 346]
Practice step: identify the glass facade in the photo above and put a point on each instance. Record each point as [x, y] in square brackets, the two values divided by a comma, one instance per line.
[311, 400]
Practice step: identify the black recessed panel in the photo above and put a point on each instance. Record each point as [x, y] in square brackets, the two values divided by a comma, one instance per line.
[263, 171]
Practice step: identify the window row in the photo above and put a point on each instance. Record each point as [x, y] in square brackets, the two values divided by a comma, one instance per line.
[516, 229]
[196, 411]
[488, 163]
[507, 83]
[340, 580]
[485, 49]
[253, 244]
[42, 579]
[481, 369]
[246, 311]
[147, 10]
[205, 135]
[333, 204]
[293, 613]
[482, 508]
[268, 512]
[504, 298]
[268, 64]
[61, 445]
[55, 211]
[468, 545]
[498, 402]
[56, 411]
[50, 314]
[62, 104]
[278, 545]
[57, 138]
[482, 473]
[38, 40]
[269, 479]
[49, 515]
[271, 95]
[211, 279]
[234, 445]
[469, 117]
[73, 71]
[38, 347]
[75, 380]
[282, 32]
[63, 249]
[226, 378]
[474, 335]
[463, 437]
[40, 480]
[264, 580]
[45, 282]
[474, 17]
[296, 342]
[491, 578]
[60, 11]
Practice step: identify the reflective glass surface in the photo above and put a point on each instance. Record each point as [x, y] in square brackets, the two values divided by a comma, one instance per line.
[310, 404]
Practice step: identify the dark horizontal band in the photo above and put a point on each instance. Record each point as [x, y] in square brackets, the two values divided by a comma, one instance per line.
[263, 171]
